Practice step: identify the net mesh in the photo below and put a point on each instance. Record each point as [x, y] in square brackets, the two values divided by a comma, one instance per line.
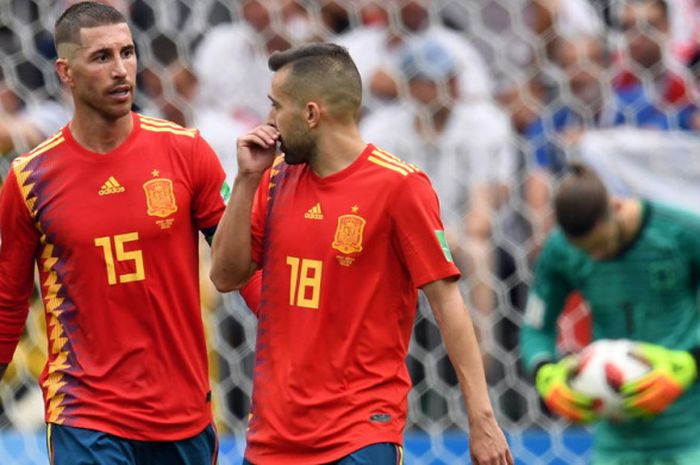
[203, 64]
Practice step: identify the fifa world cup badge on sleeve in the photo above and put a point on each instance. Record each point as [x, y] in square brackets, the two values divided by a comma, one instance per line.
[160, 197]
[348, 236]
[443, 244]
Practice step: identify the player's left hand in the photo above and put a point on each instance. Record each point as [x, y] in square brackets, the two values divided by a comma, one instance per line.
[487, 443]
[672, 372]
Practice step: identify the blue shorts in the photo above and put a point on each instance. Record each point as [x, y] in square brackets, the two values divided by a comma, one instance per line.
[78, 446]
[384, 453]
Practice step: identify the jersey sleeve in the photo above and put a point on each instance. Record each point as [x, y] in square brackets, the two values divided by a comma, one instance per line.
[19, 240]
[208, 203]
[258, 217]
[419, 233]
[252, 291]
[546, 300]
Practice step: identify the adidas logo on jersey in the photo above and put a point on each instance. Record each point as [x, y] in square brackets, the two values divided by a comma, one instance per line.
[112, 186]
[314, 213]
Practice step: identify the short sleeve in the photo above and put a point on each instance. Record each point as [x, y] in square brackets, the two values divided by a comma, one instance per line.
[19, 240]
[419, 233]
[208, 203]
[252, 291]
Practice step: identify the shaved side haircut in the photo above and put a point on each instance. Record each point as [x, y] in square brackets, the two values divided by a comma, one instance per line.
[581, 201]
[82, 15]
[323, 72]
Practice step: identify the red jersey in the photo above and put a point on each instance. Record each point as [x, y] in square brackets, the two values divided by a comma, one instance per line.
[115, 240]
[342, 258]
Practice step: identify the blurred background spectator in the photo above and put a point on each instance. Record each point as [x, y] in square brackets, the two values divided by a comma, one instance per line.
[24, 124]
[386, 27]
[649, 70]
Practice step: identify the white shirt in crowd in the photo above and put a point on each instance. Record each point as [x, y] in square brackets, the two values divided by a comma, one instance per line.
[369, 49]
[475, 148]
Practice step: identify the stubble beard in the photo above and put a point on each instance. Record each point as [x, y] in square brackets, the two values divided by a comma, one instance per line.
[105, 110]
[302, 151]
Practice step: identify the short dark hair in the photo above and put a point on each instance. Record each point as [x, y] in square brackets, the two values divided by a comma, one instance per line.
[581, 200]
[80, 15]
[325, 71]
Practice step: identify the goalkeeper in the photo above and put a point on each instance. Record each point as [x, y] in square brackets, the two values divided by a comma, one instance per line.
[637, 263]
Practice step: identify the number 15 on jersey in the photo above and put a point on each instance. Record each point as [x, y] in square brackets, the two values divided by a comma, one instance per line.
[121, 255]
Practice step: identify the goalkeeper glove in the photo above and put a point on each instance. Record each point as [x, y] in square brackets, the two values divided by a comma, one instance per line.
[672, 372]
[552, 382]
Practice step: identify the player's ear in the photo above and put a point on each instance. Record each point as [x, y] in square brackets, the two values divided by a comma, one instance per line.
[313, 114]
[64, 72]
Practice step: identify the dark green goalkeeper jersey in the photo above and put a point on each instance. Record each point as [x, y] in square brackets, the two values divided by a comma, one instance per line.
[648, 292]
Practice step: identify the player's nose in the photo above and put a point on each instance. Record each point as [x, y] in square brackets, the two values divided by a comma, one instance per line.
[271, 117]
[119, 69]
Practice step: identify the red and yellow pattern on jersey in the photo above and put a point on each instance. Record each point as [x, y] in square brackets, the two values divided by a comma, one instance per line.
[114, 237]
[342, 259]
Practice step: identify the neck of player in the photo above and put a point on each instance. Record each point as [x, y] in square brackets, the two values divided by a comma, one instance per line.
[99, 134]
[339, 145]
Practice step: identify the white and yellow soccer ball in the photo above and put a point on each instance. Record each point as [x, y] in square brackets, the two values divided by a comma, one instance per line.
[605, 365]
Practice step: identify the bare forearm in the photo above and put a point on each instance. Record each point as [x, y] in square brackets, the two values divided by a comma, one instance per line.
[462, 348]
[231, 248]
[487, 444]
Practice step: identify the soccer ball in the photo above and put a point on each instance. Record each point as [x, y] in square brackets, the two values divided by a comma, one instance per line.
[605, 365]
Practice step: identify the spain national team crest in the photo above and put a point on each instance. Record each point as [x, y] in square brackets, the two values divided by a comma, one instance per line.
[348, 234]
[160, 197]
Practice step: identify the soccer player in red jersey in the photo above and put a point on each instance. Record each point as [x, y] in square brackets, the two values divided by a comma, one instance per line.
[110, 209]
[345, 234]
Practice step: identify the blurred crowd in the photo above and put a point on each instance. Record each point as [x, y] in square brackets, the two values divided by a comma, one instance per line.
[489, 97]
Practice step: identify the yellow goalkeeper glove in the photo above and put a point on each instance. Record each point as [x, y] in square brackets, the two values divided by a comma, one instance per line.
[552, 382]
[672, 372]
